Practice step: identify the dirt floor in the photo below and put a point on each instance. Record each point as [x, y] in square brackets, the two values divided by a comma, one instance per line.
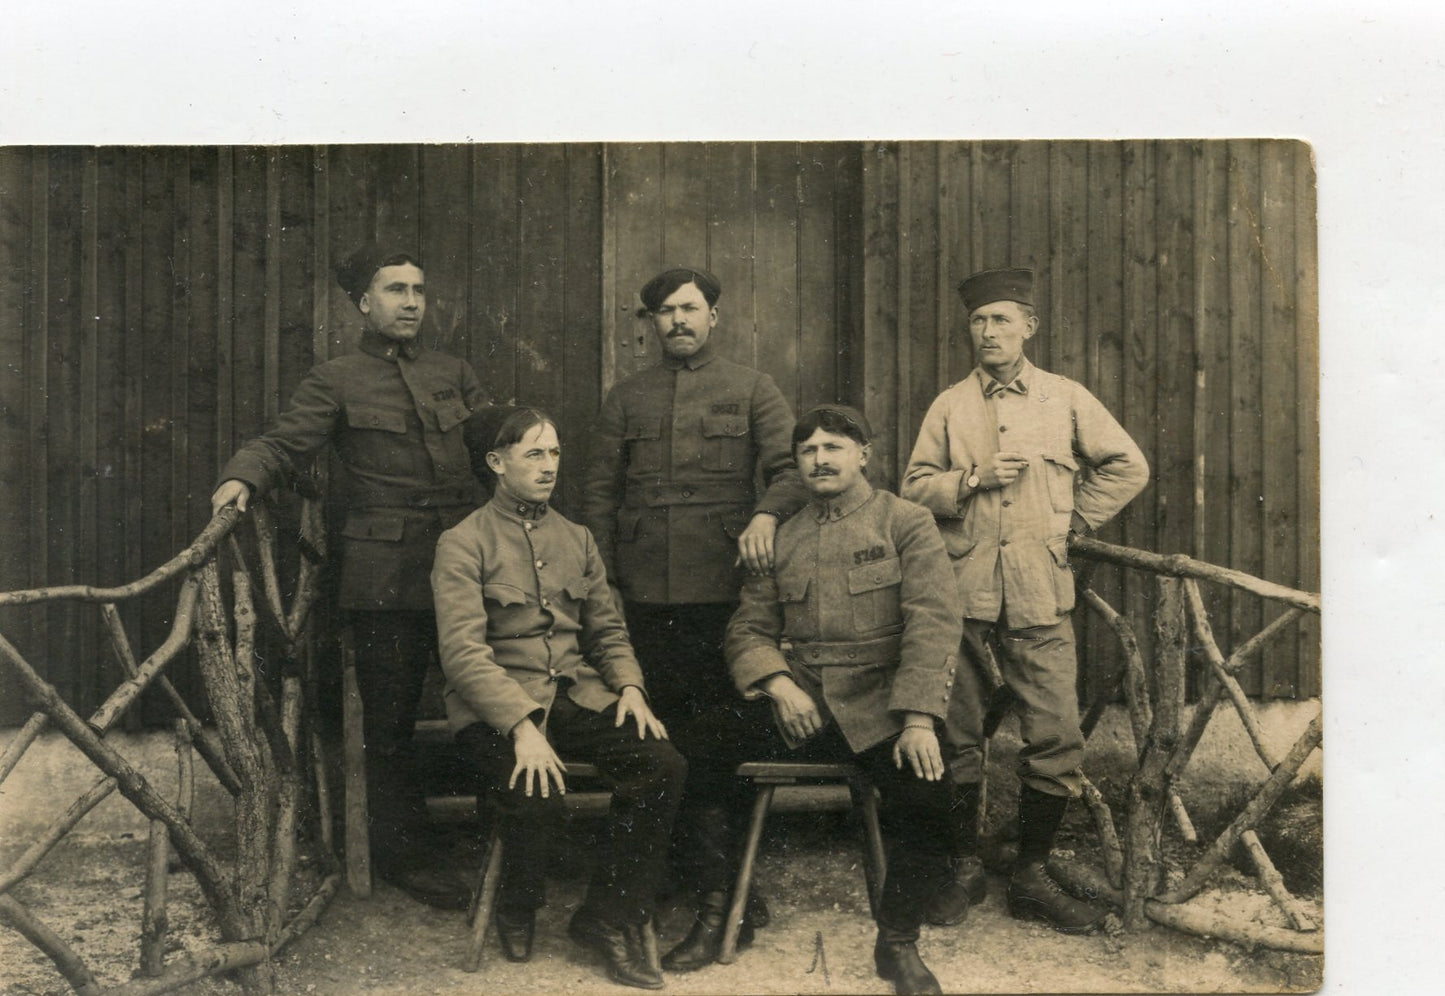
[820, 941]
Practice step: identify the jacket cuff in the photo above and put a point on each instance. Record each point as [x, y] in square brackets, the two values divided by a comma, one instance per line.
[928, 693]
[754, 664]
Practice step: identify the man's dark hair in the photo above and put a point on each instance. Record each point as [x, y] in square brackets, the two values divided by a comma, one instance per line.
[662, 286]
[495, 428]
[842, 420]
[357, 271]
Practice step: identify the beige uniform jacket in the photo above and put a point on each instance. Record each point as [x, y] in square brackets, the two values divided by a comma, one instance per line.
[670, 481]
[1010, 545]
[522, 602]
[861, 611]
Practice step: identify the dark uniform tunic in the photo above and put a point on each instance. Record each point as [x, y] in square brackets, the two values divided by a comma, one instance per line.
[395, 414]
[862, 613]
[528, 630]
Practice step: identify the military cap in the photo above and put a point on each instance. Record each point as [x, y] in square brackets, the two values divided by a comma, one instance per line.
[1015, 284]
[845, 420]
[661, 287]
[355, 272]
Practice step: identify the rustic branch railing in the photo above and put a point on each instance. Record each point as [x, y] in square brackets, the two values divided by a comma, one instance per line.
[1133, 875]
[255, 755]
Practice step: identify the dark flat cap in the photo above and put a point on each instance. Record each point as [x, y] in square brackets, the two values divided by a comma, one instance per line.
[355, 272]
[661, 287]
[997, 285]
[845, 420]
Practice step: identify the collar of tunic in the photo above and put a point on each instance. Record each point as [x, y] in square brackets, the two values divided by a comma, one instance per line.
[511, 507]
[375, 344]
[1019, 385]
[824, 509]
[698, 359]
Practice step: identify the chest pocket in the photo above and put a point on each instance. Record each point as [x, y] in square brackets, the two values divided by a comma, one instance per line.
[1061, 470]
[725, 441]
[450, 414]
[378, 418]
[793, 597]
[508, 608]
[874, 591]
[643, 438]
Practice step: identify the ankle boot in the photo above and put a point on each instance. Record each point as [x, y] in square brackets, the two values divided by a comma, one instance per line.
[703, 942]
[1034, 895]
[965, 887]
[899, 962]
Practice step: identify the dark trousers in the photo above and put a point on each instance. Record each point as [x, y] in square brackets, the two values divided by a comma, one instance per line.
[393, 651]
[680, 650]
[646, 778]
[913, 814]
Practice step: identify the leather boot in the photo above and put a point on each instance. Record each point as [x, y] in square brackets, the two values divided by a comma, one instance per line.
[703, 942]
[966, 886]
[624, 946]
[899, 963]
[755, 912]
[515, 930]
[1034, 895]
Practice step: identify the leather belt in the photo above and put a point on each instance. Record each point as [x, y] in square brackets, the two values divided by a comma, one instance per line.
[884, 648]
[426, 496]
[702, 493]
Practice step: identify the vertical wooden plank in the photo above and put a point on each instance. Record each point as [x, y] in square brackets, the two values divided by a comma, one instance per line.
[179, 353]
[878, 366]
[445, 244]
[1246, 520]
[582, 308]
[1307, 374]
[134, 357]
[271, 300]
[1103, 347]
[351, 189]
[992, 205]
[900, 425]
[775, 276]
[733, 247]
[226, 434]
[684, 180]
[919, 333]
[1173, 451]
[817, 286]
[296, 276]
[635, 187]
[1212, 368]
[956, 228]
[1029, 231]
[1067, 331]
[848, 217]
[110, 414]
[17, 329]
[87, 647]
[249, 269]
[1279, 469]
[1140, 370]
[541, 317]
[36, 361]
[398, 195]
[198, 168]
[493, 290]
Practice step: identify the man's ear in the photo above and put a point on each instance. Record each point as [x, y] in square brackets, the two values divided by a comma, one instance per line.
[364, 305]
[867, 452]
[1033, 323]
[712, 317]
[494, 461]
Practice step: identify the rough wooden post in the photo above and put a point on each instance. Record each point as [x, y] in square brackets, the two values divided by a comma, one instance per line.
[358, 838]
[1149, 788]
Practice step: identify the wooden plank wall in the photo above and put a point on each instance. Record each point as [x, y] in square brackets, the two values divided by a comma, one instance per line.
[1176, 282]
[165, 303]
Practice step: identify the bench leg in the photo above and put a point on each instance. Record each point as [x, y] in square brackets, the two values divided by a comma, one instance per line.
[358, 838]
[484, 902]
[728, 953]
[875, 859]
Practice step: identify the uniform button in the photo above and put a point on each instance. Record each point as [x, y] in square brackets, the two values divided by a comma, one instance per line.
[1003, 542]
[527, 526]
[550, 634]
[540, 565]
[375, 420]
[1007, 502]
[545, 603]
[851, 655]
[815, 655]
[687, 492]
[1003, 428]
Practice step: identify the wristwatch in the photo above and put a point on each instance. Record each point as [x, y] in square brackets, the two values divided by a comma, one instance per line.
[973, 480]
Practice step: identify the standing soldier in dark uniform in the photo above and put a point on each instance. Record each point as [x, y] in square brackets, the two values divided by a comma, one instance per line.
[671, 500]
[395, 414]
[1011, 460]
[854, 640]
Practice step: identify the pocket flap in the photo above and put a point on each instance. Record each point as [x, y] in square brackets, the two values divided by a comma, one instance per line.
[377, 417]
[1063, 460]
[793, 589]
[627, 521]
[1059, 548]
[376, 524]
[724, 425]
[503, 594]
[870, 577]
[577, 588]
[451, 414]
[643, 428]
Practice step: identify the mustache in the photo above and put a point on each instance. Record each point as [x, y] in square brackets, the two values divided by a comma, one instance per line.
[678, 332]
[824, 472]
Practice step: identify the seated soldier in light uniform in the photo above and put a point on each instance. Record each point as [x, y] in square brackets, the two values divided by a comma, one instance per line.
[853, 639]
[538, 665]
